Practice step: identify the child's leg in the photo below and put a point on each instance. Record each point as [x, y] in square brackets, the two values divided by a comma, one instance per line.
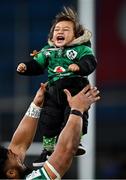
[50, 126]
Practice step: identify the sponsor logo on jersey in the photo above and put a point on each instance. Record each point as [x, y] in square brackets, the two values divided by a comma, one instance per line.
[59, 69]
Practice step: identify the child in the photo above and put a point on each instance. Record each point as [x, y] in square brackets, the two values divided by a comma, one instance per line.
[69, 60]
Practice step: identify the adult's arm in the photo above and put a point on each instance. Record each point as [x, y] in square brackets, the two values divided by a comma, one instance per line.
[69, 138]
[26, 130]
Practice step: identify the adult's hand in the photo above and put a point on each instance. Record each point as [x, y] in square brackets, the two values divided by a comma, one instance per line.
[83, 99]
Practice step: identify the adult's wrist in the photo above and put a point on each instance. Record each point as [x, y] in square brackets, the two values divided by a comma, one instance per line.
[76, 112]
[33, 111]
[78, 109]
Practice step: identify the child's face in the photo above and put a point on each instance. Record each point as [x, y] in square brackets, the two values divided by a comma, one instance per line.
[63, 33]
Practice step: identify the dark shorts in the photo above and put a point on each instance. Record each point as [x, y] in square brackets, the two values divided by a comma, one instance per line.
[56, 109]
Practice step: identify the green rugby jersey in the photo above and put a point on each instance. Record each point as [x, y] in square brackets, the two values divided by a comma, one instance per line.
[58, 59]
[38, 174]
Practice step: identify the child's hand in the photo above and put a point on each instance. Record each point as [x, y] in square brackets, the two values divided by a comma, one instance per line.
[21, 68]
[73, 67]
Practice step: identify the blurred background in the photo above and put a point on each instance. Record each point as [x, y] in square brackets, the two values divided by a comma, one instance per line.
[24, 26]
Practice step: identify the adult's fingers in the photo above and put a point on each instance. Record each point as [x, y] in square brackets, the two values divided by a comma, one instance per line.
[68, 94]
[85, 89]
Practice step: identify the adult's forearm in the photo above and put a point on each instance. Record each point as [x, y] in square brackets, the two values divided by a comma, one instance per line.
[25, 131]
[24, 134]
[70, 136]
[67, 144]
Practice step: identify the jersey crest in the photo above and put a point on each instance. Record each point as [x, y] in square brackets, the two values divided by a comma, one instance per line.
[71, 54]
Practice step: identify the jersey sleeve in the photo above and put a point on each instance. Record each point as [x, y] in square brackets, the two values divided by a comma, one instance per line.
[84, 51]
[86, 60]
[41, 59]
[38, 174]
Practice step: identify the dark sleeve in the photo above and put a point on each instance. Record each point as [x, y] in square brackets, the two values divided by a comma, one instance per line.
[87, 65]
[33, 68]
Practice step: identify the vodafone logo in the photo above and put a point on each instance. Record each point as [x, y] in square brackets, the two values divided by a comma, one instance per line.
[59, 69]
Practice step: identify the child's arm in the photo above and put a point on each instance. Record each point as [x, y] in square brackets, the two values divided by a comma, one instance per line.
[35, 66]
[87, 65]
[30, 68]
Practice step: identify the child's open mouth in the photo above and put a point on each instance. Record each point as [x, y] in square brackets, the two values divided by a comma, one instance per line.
[60, 38]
